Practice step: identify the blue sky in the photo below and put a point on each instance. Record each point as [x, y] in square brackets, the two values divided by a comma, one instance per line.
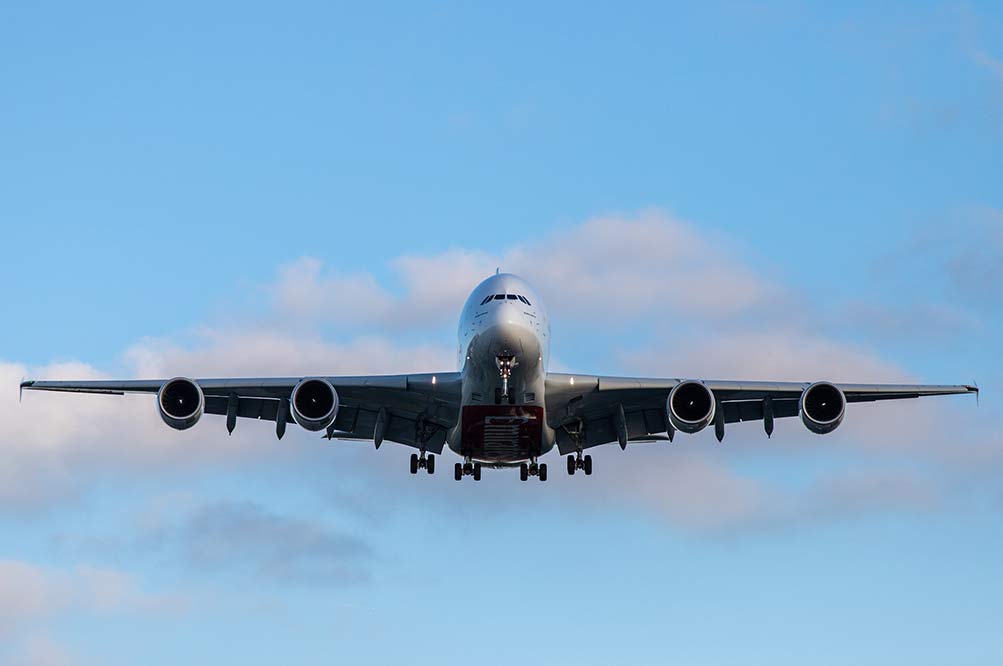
[772, 190]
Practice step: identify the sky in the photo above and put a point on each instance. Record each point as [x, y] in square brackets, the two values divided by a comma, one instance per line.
[770, 190]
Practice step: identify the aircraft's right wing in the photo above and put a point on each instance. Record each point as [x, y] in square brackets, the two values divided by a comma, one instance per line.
[589, 410]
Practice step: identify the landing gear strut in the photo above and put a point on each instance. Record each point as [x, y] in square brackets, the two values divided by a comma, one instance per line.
[531, 468]
[579, 462]
[505, 364]
[467, 468]
[424, 462]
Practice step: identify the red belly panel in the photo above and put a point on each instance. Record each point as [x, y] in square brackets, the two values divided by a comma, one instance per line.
[502, 432]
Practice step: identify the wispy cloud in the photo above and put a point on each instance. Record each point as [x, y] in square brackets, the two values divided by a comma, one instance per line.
[611, 263]
[245, 537]
[32, 597]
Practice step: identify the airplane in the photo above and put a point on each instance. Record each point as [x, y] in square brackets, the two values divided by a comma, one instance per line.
[502, 408]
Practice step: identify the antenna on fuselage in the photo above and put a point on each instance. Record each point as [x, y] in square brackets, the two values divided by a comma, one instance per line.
[497, 271]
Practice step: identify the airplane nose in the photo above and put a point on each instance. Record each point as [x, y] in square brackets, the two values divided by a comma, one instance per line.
[509, 335]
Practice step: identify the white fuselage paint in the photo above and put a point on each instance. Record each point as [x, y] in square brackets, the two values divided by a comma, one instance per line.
[508, 326]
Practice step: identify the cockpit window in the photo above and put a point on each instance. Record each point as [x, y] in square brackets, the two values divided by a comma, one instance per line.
[525, 300]
[499, 297]
[490, 296]
[512, 297]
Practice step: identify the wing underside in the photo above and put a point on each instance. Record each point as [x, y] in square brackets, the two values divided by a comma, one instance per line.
[417, 409]
[589, 410]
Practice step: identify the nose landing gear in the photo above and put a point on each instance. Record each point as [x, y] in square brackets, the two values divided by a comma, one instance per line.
[505, 363]
[579, 462]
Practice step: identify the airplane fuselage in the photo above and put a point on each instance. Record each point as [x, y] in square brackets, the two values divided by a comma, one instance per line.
[504, 345]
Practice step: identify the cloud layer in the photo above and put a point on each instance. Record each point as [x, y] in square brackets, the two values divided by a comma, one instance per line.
[32, 597]
[651, 271]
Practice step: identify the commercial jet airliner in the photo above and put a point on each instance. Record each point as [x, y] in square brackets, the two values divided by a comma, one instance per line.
[502, 408]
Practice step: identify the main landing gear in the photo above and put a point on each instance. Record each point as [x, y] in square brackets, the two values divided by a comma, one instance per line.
[424, 462]
[579, 462]
[531, 468]
[467, 468]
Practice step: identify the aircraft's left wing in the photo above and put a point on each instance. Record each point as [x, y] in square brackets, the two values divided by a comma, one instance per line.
[589, 410]
[415, 410]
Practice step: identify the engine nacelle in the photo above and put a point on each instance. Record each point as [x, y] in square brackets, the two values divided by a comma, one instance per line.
[314, 404]
[690, 407]
[822, 406]
[181, 403]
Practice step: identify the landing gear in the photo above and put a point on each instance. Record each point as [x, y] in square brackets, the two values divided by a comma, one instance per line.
[531, 468]
[424, 462]
[467, 468]
[505, 364]
[580, 462]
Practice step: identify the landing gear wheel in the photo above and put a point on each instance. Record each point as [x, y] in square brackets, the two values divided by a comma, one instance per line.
[457, 471]
[543, 472]
[477, 471]
[571, 465]
[414, 463]
[523, 472]
[588, 465]
[430, 464]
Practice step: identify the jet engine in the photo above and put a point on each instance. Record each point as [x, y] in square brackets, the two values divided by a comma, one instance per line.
[314, 404]
[180, 402]
[690, 407]
[822, 406]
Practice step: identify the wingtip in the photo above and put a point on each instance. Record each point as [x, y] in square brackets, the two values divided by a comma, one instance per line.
[25, 383]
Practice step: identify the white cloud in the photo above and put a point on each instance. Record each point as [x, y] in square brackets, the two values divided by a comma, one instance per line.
[652, 264]
[40, 650]
[29, 592]
[56, 444]
[699, 486]
[31, 597]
